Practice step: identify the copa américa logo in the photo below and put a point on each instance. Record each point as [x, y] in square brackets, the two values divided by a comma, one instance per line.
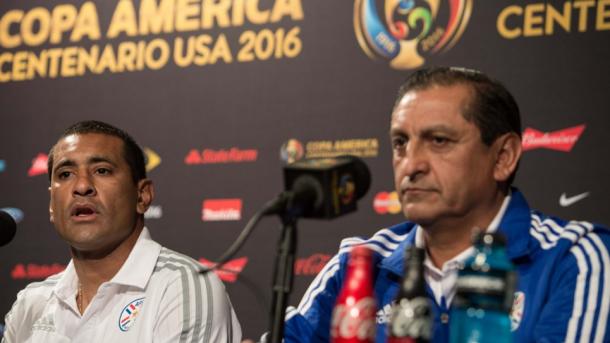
[408, 31]
[291, 151]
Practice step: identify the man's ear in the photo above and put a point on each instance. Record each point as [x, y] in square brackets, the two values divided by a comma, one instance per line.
[508, 153]
[51, 216]
[146, 194]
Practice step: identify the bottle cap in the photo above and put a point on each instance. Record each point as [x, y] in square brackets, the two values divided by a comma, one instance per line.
[415, 254]
[490, 239]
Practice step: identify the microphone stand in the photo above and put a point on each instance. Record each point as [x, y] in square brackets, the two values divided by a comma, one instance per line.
[283, 273]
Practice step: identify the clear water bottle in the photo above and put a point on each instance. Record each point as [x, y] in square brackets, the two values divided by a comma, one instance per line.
[484, 295]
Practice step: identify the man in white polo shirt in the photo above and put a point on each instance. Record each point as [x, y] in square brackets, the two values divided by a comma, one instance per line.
[120, 286]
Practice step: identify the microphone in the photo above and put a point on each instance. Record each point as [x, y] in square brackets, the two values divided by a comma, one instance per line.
[8, 227]
[323, 188]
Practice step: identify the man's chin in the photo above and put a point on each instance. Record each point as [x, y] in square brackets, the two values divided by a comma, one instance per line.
[417, 216]
[90, 251]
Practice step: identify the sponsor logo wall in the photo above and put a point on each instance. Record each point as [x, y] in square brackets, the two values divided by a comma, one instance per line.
[221, 209]
[221, 95]
[212, 156]
[39, 165]
[561, 140]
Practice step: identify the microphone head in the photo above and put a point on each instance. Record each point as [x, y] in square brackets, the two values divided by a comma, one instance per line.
[327, 187]
[362, 176]
[8, 228]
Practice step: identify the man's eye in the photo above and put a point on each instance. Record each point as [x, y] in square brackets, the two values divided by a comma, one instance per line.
[398, 142]
[63, 175]
[440, 140]
[103, 171]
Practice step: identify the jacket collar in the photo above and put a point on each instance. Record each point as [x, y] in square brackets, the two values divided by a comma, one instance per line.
[514, 225]
[136, 270]
[395, 262]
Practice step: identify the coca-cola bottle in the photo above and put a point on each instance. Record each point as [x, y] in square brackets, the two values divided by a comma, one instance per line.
[353, 318]
[411, 320]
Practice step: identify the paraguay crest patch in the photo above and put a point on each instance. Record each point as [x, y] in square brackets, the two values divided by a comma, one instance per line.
[516, 312]
[129, 314]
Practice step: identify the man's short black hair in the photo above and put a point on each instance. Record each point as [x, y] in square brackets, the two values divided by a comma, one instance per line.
[133, 154]
[492, 108]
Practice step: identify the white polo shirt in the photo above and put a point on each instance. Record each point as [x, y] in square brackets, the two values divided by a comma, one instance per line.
[157, 296]
[443, 281]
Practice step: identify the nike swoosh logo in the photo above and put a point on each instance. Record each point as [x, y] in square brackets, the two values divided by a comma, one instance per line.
[566, 201]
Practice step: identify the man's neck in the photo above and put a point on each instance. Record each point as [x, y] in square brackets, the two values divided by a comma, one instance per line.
[446, 239]
[94, 269]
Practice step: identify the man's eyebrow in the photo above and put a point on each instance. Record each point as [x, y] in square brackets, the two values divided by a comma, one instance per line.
[64, 163]
[100, 159]
[395, 131]
[441, 128]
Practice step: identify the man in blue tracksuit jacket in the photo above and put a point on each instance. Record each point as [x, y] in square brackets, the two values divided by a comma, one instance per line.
[456, 140]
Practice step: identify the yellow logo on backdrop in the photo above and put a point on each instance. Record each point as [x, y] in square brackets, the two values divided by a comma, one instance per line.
[152, 159]
[69, 24]
[546, 18]
[292, 150]
[408, 30]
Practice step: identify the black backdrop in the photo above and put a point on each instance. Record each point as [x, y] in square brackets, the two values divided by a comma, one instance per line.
[219, 128]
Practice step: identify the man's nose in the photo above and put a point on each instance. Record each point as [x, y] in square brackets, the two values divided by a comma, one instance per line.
[84, 186]
[415, 162]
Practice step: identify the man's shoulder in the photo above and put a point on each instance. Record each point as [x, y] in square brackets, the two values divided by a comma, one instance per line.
[555, 233]
[41, 288]
[173, 262]
[383, 242]
[32, 300]
[174, 266]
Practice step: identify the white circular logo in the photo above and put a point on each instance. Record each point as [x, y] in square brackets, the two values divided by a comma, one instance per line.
[516, 312]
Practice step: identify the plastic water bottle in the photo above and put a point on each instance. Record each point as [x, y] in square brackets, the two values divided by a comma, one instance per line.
[484, 295]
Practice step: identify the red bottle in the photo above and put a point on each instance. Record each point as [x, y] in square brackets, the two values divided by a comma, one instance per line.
[353, 317]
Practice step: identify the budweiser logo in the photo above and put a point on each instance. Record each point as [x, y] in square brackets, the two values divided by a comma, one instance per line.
[221, 210]
[310, 265]
[354, 322]
[211, 156]
[35, 271]
[562, 140]
[229, 270]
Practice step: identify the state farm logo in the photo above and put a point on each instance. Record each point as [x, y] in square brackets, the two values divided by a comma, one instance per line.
[387, 203]
[33, 271]
[562, 140]
[229, 270]
[221, 209]
[39, 165]
[211, 156]
[311, 265]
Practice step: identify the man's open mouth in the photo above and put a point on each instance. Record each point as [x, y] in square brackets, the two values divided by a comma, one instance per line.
[83, 211]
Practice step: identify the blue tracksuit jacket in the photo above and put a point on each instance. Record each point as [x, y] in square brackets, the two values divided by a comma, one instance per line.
[563, 291]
